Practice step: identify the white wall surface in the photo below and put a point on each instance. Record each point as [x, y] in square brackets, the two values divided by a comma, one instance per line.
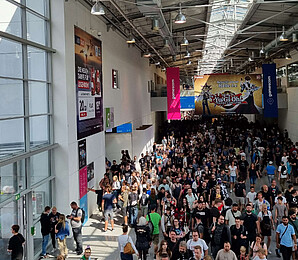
[131, 102]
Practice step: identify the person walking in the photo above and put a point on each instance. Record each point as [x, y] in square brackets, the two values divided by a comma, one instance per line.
[196, 241]
[155, 218]
[294, 222]
[54, 217]
[15, 244]
[122, 241]
[62, 231]
[226, 253]
[286, 238]
[45, 230]
[107, 205]
[143, 241]
[250, 223]
[76, 225]
[270, 170]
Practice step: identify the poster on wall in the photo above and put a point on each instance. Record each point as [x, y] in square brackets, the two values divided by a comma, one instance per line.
[109, 111]
[228, 94]
[82, 153]
[173, 93]
[90, 175]
[84, 206]
[88, 73]
[83, 186]
[270, 90]
[187, 93]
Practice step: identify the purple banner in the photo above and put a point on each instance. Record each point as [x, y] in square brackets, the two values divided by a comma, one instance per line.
[173, 91]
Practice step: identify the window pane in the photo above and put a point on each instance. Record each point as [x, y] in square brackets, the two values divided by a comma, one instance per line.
[38, 98]
[11, 136]
[10, 18]
[36, 64]
[39, 131]
[11, 59]
[36, 29]
[11, 98]
[39, 6]
[39, 167]
[12, 178]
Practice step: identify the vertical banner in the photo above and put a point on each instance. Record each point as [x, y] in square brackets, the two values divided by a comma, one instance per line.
[270, 90]
[83, 183]
[88, 72]
[90, 175]
[82, 153]
[84, 206]
[173, 93]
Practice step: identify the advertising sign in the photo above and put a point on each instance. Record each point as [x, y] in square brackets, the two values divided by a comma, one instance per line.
[173, 93]
[83, 181]
[270, 90]
[90, 175]
[84, 206]
[235, 94]
[109, 117]
[88, 72]
[82, 153]
[187, 93]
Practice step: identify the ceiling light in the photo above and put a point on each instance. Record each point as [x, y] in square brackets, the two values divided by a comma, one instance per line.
[163, 69]
[166, 43]
[262, 51]
[187, 54]
[157, 63]
[288, 56]
[155, 24]
[283, 37]
[294, 37]
[267, 55]
[189, 62]
[97, 9]
[147, 54]
[131, 39]
[184, 41]
[180, 18]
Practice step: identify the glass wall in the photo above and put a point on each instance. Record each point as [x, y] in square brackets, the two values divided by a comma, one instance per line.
[25, 119]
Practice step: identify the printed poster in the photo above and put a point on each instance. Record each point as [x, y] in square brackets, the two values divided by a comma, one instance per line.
[82, 153]
[228, 94]
[90, 175]
[88, 73]
[83, 181]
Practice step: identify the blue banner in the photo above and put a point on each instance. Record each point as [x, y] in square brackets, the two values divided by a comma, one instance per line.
[270, 90]
[187, 102]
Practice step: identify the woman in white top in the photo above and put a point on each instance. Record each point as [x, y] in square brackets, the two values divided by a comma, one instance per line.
[255, 246]
[122, 241]
[233, 175]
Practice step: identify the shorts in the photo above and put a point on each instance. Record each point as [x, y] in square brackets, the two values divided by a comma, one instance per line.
[240, 200]
[108, 213]
[232, 179]
[155, 239]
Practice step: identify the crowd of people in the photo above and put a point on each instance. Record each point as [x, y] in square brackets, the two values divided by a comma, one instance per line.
[197, 191]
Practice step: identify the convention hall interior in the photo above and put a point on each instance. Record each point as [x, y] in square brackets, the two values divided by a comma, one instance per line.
[83, 80]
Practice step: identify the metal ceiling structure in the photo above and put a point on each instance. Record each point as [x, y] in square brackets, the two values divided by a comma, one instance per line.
[222, 34]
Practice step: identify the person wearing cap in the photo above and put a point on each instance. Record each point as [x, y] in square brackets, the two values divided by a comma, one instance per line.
[87, 254]
[270, 170]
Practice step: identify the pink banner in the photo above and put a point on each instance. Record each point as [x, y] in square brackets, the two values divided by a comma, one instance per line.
[83, 183]
[173, 91]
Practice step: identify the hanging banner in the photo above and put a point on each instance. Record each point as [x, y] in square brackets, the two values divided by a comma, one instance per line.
[83, 183]
[270, 90]
[88, 72]
[173, 93]
[228, 94]
[82, 153]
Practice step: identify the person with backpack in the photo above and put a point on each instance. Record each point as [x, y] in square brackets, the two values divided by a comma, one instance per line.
[294, 222]
[144, 202]
[166, 222]
[133, 205]
[62, 231]
[76, 218]
[256, 245]
[143, 238]
[154, 221]
[239, 236]
[123, 241]
[107, 205]
[232, 214]
[282, 175]
[240, 193]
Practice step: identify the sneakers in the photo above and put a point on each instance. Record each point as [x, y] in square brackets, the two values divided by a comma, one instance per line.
[231, 191]
[53, 250]
[269, 252]
[277, 253]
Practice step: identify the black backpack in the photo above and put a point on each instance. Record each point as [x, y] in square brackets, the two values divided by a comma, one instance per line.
[83, 215]
[283, 170]
[144, 199]
[239, 190]
[150, 225]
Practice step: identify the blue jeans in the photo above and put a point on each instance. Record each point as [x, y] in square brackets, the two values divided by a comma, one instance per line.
[77, 236]
[252, 180]
[270, 178]
[133, 215]
[45, 241]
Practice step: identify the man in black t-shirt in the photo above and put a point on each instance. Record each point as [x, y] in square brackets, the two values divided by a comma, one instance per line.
[250, 223]
[15, 244]
[243, 165]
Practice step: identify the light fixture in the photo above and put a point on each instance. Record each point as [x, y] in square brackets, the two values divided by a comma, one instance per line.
[147, 54]
[267, 55]
[97, 9]
[163, 69]
[166, 43]
[251, 58]
[157, 63]
[188, 63]
[155, 24]
[180, 18]
[283, 37]
[131, 39]
[262, 51]
[187, 54]
[294, 37]
[288, 56]
[184, 41]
